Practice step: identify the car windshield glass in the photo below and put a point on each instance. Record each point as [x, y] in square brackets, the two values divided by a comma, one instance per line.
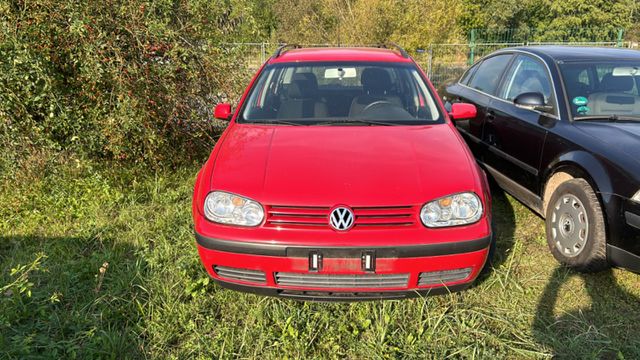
[603, 89]
[336, 93]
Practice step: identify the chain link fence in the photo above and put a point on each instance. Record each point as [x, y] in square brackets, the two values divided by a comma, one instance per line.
[446, 62]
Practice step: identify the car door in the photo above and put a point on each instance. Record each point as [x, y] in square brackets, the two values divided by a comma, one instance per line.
[515, 135]
[477, 87]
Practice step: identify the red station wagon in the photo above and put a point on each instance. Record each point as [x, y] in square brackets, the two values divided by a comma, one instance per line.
[341, 177]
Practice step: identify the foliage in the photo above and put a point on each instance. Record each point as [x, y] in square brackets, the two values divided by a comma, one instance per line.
[417, 23]
[132, 80]
[414, 23]
[552, 20]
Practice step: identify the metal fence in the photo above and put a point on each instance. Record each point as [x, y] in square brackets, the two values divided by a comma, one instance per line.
[446, 62]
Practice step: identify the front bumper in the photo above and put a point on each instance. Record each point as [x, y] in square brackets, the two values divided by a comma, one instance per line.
[623, 248]
[342, 274]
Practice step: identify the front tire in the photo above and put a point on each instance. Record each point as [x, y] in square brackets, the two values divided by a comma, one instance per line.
[575, 227]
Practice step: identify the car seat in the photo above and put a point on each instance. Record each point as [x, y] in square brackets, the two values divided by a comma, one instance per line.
[376, 83]
[302, 100]
[614, 97]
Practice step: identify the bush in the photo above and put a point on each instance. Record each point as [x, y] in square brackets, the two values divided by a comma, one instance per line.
[130, 81]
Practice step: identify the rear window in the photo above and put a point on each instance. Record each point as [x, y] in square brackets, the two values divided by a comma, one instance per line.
[327, 92]
[487, 77]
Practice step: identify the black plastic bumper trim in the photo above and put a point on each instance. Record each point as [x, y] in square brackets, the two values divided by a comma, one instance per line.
[632, 219]
[405, 251]
[338, 296]
[624, 259]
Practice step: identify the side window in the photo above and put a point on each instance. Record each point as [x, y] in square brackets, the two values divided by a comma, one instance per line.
[467, 76]
[526, 75]
[489, 72]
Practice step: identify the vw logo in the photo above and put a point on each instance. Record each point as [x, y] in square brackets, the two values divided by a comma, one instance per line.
[341, 218]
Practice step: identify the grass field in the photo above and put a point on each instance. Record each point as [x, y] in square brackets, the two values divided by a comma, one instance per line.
[101, 263]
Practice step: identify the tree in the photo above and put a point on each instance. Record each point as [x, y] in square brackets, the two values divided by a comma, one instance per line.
[413, 23]
[549, 20]
[578, 20]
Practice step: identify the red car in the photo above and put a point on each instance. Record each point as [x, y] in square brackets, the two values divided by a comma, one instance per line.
[341, 177]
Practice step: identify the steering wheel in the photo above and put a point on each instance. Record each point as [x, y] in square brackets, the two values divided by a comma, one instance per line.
[376, 103]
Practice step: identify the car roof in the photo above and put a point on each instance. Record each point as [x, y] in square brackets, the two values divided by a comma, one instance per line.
[579, 53]
[365, 54]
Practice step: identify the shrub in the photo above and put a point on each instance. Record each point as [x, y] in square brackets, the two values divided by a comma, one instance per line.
[129, 81]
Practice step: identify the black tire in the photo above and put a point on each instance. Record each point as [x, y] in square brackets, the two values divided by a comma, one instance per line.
[575, 227]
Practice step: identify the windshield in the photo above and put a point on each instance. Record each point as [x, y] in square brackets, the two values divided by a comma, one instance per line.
[608, 89]
[340, 92]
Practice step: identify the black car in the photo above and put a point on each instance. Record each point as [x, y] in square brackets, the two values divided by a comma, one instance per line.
[559, 129]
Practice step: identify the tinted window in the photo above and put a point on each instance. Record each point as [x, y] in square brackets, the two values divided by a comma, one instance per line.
[580, 79]
[467, 76]
[602, 88]
[526, 75]
[330, 92]
[488, 75]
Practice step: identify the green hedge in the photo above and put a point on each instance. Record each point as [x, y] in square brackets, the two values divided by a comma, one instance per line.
[129, 80]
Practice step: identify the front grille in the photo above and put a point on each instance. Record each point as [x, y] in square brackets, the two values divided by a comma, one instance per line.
[384, 216]
[307, 216]
[342, 281]
[441, 277]
[298, 216]
[231, 273]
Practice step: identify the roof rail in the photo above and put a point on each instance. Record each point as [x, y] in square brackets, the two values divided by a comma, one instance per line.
[390, 44]
[282, 49]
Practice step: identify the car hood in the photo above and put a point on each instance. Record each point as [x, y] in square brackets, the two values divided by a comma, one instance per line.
[622, 136]
[350, 165]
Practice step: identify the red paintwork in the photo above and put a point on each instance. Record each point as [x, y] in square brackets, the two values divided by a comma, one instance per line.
[462, 111]
[358, 166]
[222, 111]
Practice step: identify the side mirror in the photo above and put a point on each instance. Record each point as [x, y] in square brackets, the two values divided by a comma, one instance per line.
[532, 101]
[223, 112]
[462, 111]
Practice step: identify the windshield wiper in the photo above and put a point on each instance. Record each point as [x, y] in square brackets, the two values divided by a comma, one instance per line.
[326, 122]
[357, 122]
[276, 122]
[611, 118]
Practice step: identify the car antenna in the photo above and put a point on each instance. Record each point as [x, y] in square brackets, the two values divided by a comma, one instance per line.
[390, 45]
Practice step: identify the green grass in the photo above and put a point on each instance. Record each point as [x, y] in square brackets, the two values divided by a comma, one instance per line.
[59, 225]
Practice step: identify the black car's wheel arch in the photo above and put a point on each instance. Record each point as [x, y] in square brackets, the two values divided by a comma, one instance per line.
[581, 170]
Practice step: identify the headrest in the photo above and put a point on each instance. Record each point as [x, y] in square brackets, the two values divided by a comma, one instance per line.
[303, 86]
[612, 83]
[310, 77]
[375, 81]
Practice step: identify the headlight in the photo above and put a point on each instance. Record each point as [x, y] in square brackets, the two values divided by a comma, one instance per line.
[636, 197]
[458, 209]
[226, 208]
